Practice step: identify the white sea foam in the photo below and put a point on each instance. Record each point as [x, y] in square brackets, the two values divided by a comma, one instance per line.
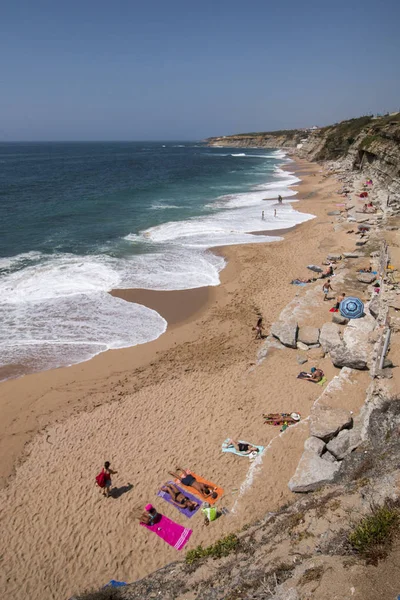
[240, 154]
[56, 310]
[63, 331]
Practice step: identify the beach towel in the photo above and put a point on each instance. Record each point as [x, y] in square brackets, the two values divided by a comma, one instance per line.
[322, 382]
[185, 511]
[232, 449]
[191, 490]
[172, 533]
[297, 282]
[314, 268]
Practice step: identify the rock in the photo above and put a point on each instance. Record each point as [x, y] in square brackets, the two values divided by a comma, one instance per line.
[329, 336]
[314, 444]
[387, 364]
[334, 256]
[373, 307]
[312, 472]
[301, 359]
[351, 254]
[329, 457]
[308, 335]
[361, 243]
[356, 350]
[375, 254]
[326, 422]
[391, 228]
[311, 346]
[345, 442]
[301, 346]
[342, 356]
[366, 277]
[286, 332]
[333, 213]
[337, 318]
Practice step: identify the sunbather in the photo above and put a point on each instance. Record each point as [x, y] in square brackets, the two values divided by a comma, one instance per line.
[177, 498]
[281, 418]
[328, 272]
[242, 447]
[149, 516]
[299, 280]
[315, 375]
[187, 479]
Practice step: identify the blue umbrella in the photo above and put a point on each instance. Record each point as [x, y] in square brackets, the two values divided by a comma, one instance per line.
[351, 308]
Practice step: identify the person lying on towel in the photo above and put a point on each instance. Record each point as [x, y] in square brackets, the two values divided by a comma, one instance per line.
[188, 479]
[177, 498]
[281, 418]
[316, 375]
[243, 448]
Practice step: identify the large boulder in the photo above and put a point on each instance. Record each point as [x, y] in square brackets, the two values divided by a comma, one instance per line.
[356, 350]
[345, 442]
[312, 472]
[308, 335]
[343, 356]
[329, 336]
[366, 277]
[286, 332]
[326, 422]
[314, 444]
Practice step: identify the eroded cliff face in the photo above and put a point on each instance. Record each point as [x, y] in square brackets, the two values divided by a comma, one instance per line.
[276, 139]
[367, 146]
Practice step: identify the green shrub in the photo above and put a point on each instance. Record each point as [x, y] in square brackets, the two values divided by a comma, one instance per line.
[373, 536]
[221, 548]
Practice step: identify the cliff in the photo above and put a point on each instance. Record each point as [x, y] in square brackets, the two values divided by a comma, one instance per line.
[367, 146]
[274, 139]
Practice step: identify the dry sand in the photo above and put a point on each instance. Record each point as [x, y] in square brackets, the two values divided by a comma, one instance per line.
[151, 408]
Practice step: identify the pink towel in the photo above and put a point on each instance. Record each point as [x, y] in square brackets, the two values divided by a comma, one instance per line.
[174, 534]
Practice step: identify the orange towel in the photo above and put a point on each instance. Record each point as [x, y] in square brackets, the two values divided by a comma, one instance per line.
[208, 499]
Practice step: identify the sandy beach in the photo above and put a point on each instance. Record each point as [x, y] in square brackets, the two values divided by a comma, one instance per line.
[168, 403]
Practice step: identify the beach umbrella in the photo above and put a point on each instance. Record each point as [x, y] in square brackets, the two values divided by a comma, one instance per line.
[351, 308]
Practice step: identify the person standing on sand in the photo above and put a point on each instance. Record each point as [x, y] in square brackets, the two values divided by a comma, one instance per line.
[274, 212]
[325, 288]
[103, 479]
[262, 215]
[280, 199]
[259, 327]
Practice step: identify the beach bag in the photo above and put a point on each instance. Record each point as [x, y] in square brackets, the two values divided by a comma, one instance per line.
[101, 479]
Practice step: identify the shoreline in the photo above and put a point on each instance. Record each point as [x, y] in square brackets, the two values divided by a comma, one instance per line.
[150, 407]
[15, 435]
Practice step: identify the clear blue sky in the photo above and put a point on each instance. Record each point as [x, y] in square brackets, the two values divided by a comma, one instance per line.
[178, 69]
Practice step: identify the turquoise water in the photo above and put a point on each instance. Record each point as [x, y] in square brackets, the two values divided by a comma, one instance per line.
[79, 219]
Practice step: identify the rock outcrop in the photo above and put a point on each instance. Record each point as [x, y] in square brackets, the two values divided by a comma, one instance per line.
[312, 472]
[329, 336]
[326, 422]
[286, 332]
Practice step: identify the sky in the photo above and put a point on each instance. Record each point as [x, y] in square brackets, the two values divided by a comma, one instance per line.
[182, 70]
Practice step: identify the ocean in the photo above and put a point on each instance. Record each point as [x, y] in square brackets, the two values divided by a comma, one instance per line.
[80, 219]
